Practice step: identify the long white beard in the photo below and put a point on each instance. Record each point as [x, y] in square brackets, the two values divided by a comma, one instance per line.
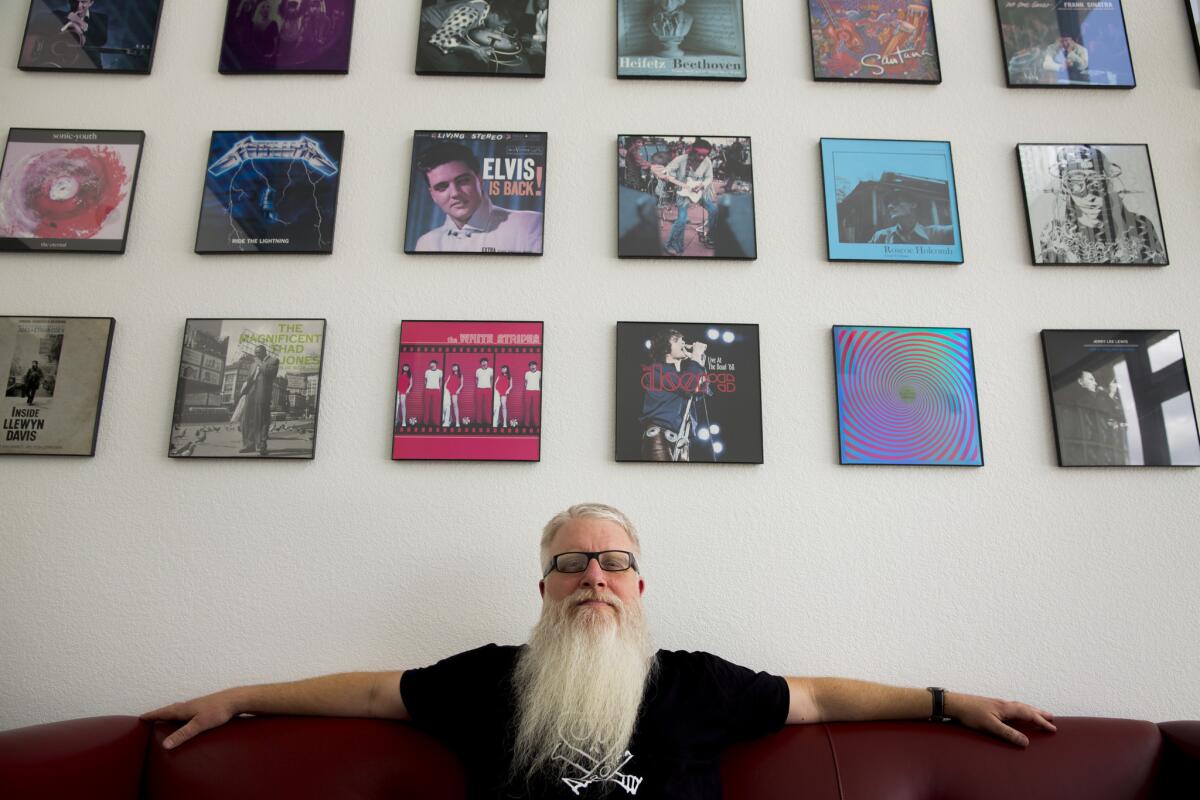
[579, 684]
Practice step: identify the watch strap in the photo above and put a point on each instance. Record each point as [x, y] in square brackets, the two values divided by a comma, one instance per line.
[938, 711]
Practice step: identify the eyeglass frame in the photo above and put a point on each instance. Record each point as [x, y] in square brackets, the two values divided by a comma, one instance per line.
[594, 554]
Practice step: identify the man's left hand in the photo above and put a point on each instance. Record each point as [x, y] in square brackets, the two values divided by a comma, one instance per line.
[988, 715]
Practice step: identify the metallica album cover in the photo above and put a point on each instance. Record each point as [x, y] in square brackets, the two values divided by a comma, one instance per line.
[299, 36]
[689, 392]
[888, 200]
[270, 192]
[248, 388]
[702, 39]
[476, 192]
[685, 197]
[1065, 43]
[56, 372]
[68, 190]
[468, 391]
[90, 35]
[874, 40]
[483, 37]
[1121, 398]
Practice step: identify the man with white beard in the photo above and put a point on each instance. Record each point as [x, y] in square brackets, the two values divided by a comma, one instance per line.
[588, 707]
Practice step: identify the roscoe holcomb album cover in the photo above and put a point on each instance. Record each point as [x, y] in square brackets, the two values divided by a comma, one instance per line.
[681, 39]
[483, 37]
[469, 391]
[298, 36]
[56, 369]
[874, 40]
[90, 35]
[1065, 43]
[68, 190]
[476, 192]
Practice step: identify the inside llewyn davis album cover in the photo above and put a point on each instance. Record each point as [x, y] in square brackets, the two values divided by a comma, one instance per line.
[264, 36]
[1065, 43]
[56, 368]
[483, 37]
[681, 39]
[1121, 398]
[248, 388]
[874, 40]
[90, 35]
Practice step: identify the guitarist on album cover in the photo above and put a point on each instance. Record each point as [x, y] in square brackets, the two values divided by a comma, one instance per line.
[68, 35]
[692, 175]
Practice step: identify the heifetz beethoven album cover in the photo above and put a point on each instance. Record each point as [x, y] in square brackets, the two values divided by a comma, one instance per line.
[483, 37]
[1065, 43]
[681, 39]
[56, 372]
[874, 40]
[90, 35]
[469, 391]
[476, 192]
[263, 36]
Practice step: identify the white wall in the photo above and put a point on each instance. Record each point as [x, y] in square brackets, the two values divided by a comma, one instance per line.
[129, 580]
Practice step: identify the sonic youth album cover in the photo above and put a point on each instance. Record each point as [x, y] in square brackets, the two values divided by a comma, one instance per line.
[874, 40]
[681, 39]
[56, 372]
[469, 391]
[689, 392]
[483, 37]
[476, 192]
[270, 192]
[265, 36]
[1065, 43]
[90, 35]
[68, 190]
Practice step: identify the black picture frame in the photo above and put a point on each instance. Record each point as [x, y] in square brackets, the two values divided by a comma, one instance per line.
[226, 58]
[745, 66]
[475, 68]
[1006, 59]
[28, 64]
[817, 76]
[1193, 12]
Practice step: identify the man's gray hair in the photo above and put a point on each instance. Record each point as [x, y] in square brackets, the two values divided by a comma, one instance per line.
[586, 511]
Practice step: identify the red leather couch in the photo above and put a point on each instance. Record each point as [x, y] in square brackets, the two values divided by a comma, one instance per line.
[121, 758]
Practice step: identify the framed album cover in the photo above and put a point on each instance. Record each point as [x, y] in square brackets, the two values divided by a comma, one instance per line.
[68, 190]
[57, 367]
[270, 192]
[248, 388]
[469, 391]
[296, 36]
[886, 41]
[476, 192]
[1065, 43]
[685, 197]
[1193, 9]
[1091, 204]
[906, 396]
[1120, 398]
[90, 36]
[689, 392]
[698, 39]
[483, 37]
[890, 200]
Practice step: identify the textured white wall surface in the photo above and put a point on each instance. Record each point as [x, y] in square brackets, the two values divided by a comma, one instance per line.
[129, 580]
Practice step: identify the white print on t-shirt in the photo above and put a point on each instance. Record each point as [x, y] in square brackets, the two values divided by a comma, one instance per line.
[592, 770]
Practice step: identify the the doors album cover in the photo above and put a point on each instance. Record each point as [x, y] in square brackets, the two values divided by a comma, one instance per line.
[483, 37]
[297, 36]
[1065, 43]
[874, 40]
[90, 35]
[681, 39]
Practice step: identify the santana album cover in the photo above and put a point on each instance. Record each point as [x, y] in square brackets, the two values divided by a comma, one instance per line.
[1065, 43]
[270, 192]
[681, 39]
[56, 372]
[1121, 398]
[689, 392]
[476, 192]
[906, 396]
[469, 391]
[483, 37]
[68, 190]
[90, 35]
[248, 388]
[874, 40]
[265, 36]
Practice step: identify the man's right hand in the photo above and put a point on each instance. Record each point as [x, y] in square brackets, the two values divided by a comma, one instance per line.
[201, 714]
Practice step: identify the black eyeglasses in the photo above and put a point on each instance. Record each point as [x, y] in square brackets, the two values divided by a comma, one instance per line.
[609, 561]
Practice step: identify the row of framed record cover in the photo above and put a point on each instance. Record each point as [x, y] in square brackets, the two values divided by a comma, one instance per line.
[484, 192]
[685, 392]
[1048, 43]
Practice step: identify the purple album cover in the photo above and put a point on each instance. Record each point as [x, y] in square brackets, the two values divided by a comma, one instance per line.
[287, 36]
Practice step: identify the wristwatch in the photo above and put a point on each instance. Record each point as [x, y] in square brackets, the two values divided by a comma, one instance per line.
[939, 704]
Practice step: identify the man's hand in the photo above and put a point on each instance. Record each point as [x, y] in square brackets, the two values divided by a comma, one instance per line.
[201, 714]
[988, 715]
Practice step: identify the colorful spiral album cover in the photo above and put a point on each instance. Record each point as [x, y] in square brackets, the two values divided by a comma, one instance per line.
[68, 190]
[1121, 398]
[890, 200]
[90, 36]
[248, 388]
[698, 39]
[297, 36]
[888, 41]
[1065, 43]
[689, 392]
[685, 197]
[906, 396]
[270, 192]
[476, 192]
[57, 367]
[1092, 204]
[469, 391]
[483, 37]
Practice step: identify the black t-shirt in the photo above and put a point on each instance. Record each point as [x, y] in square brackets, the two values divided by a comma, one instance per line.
[695, 705]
